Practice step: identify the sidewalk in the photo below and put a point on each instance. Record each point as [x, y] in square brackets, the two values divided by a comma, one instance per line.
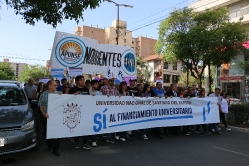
[238, 129]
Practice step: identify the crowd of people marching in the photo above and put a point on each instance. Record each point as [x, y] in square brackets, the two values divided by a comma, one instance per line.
[106, 86]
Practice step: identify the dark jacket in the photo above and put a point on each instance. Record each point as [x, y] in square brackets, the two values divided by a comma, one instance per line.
[171, 93]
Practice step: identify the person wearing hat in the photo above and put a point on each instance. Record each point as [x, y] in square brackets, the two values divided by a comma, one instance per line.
[104, 82]
[80, 89]
[132, 89]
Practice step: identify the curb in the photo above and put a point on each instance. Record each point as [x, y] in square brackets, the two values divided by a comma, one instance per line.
[238, 129]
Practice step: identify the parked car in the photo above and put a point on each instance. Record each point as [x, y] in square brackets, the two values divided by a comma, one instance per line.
[234, 101]
[17, 120]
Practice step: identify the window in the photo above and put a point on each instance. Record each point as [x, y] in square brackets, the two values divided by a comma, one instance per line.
[12, 96]
[124, 40]
[166, 65]
[174, 66]
[175, 79]
[166, 78]
[125, 33]
[132, 42]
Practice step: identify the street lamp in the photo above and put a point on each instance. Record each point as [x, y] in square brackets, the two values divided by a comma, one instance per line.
[118, 14]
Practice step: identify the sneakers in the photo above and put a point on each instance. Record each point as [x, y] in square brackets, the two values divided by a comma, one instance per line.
[213, 130]
[144, 136]
[207, 133]
[197, 132]
[219, 129]
[87, 147]
[110, 141]
[77, 145]
[228, 129]
[117, 137]
[94, 144]
[122, 139]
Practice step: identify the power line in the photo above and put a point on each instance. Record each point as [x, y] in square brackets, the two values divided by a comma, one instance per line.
[157, 12]
[149, 23]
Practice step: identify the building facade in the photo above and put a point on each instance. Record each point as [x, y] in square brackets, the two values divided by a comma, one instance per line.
[230, 77]
[161, 70]
[17, 67]
[143, 46]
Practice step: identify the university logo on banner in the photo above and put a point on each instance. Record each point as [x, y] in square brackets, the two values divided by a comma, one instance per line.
[70, 51]
[129, 62]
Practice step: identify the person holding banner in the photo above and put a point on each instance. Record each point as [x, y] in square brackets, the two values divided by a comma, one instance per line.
[122, 92]
[109, 90]
[158, 91]
[204, 126]
[172, 92]
[146, 91]
[214, 125]
[189, 94]
[43, 104]
[80, 89]
[94, 92]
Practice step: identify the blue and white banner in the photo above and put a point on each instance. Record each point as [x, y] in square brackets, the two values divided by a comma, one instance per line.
[79, 115]
[76, 51]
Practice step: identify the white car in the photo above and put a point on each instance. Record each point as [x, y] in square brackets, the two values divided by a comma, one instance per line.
[234, 101]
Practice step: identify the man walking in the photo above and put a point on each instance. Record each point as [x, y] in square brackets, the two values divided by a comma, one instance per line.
[109, 90]
[80, 89]
[43, 104]
[30, 88]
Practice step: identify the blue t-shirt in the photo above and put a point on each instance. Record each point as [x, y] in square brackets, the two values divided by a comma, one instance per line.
[158, 92]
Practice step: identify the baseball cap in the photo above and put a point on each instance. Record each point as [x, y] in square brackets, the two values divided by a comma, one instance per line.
[133, 79]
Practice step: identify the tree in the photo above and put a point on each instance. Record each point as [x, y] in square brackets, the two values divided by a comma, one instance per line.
[200, 39]
[6, 71]
[143, 69]
[51, 11]
[183, 80]
[34, 71]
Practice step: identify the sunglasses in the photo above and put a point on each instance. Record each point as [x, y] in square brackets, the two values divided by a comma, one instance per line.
[66, 87]
[111, 80]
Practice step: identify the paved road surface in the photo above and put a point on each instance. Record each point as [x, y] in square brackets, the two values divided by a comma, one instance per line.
[227, 149]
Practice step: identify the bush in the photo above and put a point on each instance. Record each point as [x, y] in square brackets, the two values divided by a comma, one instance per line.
[238, 114]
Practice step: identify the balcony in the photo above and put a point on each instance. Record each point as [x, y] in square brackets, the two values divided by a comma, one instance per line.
[235, 15]
[202, 5]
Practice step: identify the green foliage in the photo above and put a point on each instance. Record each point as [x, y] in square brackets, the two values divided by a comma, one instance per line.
[183, 80]
[6, 71]
[143, 70]
[238, 114]
[200, 39]
[51, 11]
[34, 71]
[245, 66]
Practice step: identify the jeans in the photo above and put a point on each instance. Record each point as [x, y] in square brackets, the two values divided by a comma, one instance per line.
[109, 136]
[213, 126]
[85, 140]
[223, 118]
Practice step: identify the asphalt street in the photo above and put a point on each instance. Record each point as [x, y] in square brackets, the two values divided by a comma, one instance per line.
[227, 149]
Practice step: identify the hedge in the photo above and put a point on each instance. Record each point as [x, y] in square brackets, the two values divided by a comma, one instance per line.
[238, 114]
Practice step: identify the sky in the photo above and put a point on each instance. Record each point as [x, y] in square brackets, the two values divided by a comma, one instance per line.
[24, 43]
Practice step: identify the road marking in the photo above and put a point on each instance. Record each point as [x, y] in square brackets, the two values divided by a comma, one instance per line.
[231, 151]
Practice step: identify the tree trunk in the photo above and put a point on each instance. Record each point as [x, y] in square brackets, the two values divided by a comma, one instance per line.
[209, 78]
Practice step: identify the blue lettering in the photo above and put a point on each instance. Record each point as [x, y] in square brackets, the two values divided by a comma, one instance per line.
[96, 119]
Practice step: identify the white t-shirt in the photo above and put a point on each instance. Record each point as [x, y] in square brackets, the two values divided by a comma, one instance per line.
[224, 105]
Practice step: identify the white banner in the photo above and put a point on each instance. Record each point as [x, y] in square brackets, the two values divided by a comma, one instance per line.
[80, 115]
[75, 51]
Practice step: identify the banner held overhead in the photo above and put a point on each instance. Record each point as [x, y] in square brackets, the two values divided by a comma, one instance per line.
[75, 51]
